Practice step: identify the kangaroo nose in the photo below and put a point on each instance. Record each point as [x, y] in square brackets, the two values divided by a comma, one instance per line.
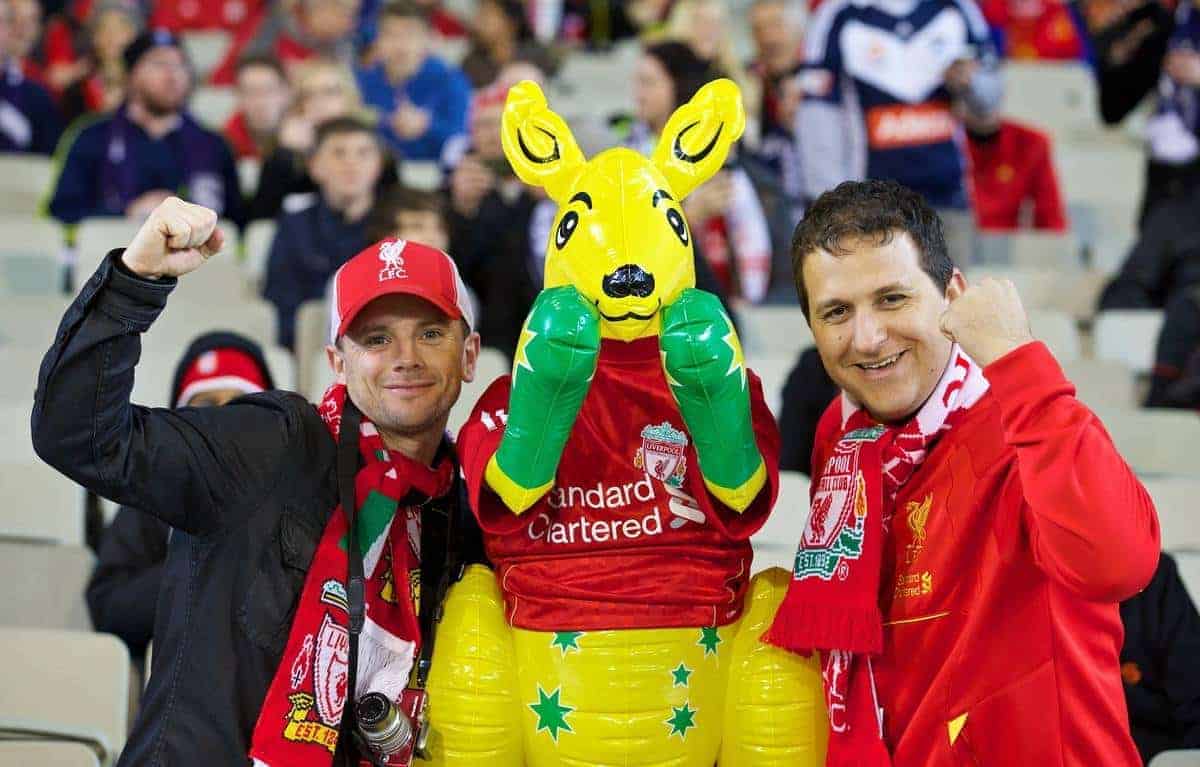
[628, 280]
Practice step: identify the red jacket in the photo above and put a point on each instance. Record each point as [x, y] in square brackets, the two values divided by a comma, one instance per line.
[609, 546]
[187, 15]
[237, 133]
[1014, 168]
[1010, 548]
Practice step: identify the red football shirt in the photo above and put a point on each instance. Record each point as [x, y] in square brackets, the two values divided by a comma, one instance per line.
[1013, 170]
[629, 536]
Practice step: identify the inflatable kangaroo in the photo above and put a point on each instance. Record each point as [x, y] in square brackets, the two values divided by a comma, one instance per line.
[618, 474]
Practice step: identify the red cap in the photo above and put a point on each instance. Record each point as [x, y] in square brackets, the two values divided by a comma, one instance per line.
[397, 266]
[221, 369]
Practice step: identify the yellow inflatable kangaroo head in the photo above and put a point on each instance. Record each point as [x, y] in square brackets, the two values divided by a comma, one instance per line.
[619, 236]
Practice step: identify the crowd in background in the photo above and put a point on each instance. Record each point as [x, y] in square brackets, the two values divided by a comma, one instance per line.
[335, 96]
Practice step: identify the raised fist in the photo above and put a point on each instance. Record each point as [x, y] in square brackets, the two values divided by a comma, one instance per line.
[987, 320]
[176, 238]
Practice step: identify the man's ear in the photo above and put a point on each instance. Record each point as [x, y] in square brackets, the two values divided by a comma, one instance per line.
[470, 357]
[337, 363]
[956, 286]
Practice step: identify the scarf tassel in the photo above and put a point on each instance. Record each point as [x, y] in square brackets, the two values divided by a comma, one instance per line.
[809, 625]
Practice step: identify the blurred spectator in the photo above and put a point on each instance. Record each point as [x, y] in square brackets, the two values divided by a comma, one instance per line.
[598, 24]
[807, 393]
[1158, 664]
[706, 27]
[123, 592]
[149, 149]
[1129, 40]
[410, 214]
[112, 26]
[500, 34]
[309, 245]
[1012, 176]
[29, 120]
[724, 213]
[293, 32]
[323, 90]
[422, 100]
[262, 96]
[1172, 133]
[1033, 29]
[1164, 261]
[442, 21]
[194, 15]
[1176, 378]
[879, 103]
[27, 38]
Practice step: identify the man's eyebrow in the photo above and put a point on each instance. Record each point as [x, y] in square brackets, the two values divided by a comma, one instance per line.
[583, 197]
[894, 287]
[658, 195]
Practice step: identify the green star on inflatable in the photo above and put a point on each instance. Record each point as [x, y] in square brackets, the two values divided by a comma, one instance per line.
[682, 719]
[680, 675]
[566, 640]
[709, 639]
[551, 714]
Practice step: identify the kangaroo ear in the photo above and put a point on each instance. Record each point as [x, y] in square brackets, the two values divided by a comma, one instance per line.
[696, 140]
[538, 144]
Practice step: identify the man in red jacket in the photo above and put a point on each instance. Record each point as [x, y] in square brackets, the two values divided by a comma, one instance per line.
[972, 527]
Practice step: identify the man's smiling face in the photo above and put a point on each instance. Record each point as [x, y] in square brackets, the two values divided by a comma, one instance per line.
[875, 315]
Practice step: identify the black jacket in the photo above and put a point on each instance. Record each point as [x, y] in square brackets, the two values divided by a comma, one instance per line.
[251, 484]
[807, 393]
[1159, 664]
[122, 594]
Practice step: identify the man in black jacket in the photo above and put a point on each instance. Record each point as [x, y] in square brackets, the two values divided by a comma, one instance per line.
[122, 594]
[253, 483]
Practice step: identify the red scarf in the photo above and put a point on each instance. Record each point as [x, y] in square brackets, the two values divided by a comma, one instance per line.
[300, 717]
[832, 602]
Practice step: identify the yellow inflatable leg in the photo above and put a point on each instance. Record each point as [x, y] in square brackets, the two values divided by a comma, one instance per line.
[634, 698]
[473, 707]
[774, 708]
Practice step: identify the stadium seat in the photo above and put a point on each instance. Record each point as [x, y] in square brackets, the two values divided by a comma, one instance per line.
[1155, 441]
[1057, 97]
[213, 106]
[312, 334]
[1128, 336]
[318, 379]
[1113, 174]
[47, 753]
[773, 330]
[773, 369]
[1101, 383]
[65, 685]
[31, 250]
[25, 182]
[1057, 330]
[1106, 231]
[20, 364]
[17, 445]
[1071, 290]
[775, 543]
[1176, 500]
[45, 585]
[256, 247]
[1177, 758]
[40, 505]
[206, 49]
[283, 367]
[1028, 250]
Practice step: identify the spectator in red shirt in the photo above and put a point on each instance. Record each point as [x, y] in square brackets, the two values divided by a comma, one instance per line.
[188, 15]
[1012, 172]
[295, 32]
[263, 95]
[1033, 29]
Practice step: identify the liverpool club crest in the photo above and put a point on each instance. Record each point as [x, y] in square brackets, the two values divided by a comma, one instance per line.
[331, 670]
[663, 454]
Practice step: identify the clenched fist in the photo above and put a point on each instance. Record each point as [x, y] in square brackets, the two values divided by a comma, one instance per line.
[177, 238]
[987, 321]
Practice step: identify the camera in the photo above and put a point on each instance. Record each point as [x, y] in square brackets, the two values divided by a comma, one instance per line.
[393, 733]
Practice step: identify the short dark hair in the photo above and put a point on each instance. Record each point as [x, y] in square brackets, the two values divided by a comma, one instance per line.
[263, 60]
[336, 126]
[382, 221]
[873, 209]
[687, 71]
[403, 9]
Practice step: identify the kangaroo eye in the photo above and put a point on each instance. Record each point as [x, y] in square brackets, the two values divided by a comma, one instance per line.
[677, 225]
[566, 228]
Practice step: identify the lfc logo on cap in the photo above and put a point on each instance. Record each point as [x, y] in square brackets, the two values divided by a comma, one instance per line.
[391, 254]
